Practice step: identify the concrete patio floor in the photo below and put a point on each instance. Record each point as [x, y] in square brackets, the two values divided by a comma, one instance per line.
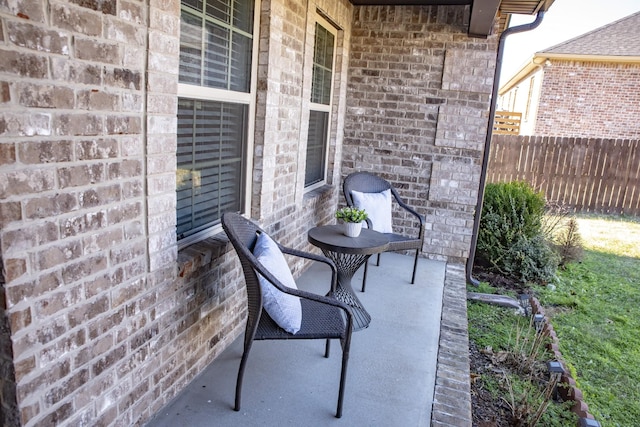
[391, 376]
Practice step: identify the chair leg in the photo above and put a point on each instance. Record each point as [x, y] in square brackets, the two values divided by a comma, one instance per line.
[343, 377]
[378, 261]
[243, 363]
[415, 267]
[327, 348]
[364, 276]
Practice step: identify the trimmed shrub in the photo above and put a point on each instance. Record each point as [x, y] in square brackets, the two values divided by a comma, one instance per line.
[511, 241]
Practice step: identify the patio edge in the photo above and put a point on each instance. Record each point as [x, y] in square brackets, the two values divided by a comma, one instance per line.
[452, 393]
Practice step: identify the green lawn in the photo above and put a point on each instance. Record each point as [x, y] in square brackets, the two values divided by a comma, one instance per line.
[595, 310]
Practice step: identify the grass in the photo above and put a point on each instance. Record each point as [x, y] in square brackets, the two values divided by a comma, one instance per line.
[595, 310]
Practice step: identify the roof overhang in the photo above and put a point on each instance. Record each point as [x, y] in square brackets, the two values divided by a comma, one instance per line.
[589, 58]
[484, 13]
[533, 64]
[539, 60]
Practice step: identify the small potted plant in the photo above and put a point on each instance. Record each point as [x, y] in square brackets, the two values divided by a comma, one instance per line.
[352, 219]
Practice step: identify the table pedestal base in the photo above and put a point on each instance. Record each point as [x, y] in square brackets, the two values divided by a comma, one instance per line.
[348, 265]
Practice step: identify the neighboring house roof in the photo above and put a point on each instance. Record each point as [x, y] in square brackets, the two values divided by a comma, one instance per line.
[619, 38]
[618, 41]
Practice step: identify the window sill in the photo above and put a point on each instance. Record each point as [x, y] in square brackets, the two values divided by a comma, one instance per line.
[319, 192]
[200, 254]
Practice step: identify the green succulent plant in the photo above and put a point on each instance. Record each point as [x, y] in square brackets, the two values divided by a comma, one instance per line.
[348, 214]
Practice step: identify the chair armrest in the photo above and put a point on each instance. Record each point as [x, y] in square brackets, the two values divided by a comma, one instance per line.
[307, 255]
[409, 209]
[314, 257]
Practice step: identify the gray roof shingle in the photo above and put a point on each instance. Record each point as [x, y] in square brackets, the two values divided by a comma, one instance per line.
[619, 38]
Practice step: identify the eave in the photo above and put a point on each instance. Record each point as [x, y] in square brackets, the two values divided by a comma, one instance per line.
[485, 14]
[540, 58]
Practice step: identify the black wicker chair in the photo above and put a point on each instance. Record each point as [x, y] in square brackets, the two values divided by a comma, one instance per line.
[322, 317]
[366, 182]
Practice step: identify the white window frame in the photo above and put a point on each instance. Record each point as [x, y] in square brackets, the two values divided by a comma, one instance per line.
[527, 111]
[215, 94]
[319, 19]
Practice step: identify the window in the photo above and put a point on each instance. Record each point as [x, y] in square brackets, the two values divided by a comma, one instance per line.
[529, 96]
[320, 109]
[214, 108]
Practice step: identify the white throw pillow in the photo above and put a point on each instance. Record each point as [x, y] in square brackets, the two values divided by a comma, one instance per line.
[377, 206]
[284, 309]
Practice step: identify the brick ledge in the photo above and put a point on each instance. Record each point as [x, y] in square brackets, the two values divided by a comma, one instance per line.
[452, 394]
[200, 254]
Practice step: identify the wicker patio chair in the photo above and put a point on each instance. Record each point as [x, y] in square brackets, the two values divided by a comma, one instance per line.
[366, 182]
[322, 317]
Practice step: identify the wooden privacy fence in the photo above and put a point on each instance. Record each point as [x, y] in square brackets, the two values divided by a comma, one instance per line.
[583, 174]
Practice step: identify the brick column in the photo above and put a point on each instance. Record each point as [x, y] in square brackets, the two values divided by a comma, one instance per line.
[161, 124]
[73, 239]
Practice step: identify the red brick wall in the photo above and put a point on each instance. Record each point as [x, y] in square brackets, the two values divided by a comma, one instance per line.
[589, 99]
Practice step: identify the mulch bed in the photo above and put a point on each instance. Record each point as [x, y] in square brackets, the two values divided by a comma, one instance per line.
[487, 410]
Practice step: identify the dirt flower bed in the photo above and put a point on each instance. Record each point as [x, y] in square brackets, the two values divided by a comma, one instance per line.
[509, 388]
[488, 410]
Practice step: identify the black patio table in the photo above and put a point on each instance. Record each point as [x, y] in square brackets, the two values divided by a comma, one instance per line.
[348, 254]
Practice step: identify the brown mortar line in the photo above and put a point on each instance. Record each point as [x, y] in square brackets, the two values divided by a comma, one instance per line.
[569, 390]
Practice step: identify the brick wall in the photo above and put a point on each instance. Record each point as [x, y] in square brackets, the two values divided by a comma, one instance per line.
[418, 103]
[590, 99]
[105, 320]
[74, 244]
[279, 199]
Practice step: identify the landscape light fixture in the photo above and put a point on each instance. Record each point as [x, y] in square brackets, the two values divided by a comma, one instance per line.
[555, 373]
[588, 422]
[538, 321]
[524, 303]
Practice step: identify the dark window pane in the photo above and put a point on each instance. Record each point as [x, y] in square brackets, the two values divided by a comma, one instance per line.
[190, 48]
[243, 15]
[219, 9]
[211, 141]
[196, 4]
[216, 43]
[322, 66]
[240, 63]
[216, 62]
[316, 147]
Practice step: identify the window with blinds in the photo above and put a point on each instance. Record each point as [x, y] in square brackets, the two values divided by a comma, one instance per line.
[211, 139]
[215, 43]
[321, 84]
[316, 147]
[216, 51]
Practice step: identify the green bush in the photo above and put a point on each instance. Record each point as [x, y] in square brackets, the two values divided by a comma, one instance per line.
[511, 241]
